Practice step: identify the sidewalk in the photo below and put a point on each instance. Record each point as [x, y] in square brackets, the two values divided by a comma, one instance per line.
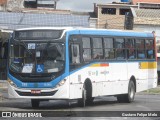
[3, 89]
[3, 84]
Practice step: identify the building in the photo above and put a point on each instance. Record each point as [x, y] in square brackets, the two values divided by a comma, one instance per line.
[144, 1]
[147, 5]
[14, 5]
[146, 20]
[3, 4]
[112, 16]
[40, 3]
[146, 17]
[17, 5]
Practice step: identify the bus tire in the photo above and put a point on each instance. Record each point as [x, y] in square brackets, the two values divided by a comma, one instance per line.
[35, 103]
[82, 101]
[129, 97]
[87, 98]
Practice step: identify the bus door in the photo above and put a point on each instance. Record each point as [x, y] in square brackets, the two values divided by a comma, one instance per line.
[75, 64]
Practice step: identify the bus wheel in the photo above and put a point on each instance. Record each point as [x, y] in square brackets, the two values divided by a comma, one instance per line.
[87, 98]
[129, 97]
[35, 103]
[82, 101]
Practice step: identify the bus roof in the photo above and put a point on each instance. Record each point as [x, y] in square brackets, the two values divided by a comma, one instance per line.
[93, 31]
[114, 33]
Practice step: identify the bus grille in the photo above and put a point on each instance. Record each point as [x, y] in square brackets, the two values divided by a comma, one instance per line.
[40, 94]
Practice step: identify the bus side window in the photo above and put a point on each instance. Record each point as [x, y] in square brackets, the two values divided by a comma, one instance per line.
[150, 49]
[75, 54]
[97, 48]
[86, 49]
[130, 46]
[140, 49]
[109, 48]
[120, 49]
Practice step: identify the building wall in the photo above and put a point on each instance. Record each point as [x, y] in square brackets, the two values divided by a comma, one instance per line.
[15, 5]
[2, 7]
[148, 28]
[147, 21]
[151, 1]
[110, 21]
[3, 4]
[93, 22]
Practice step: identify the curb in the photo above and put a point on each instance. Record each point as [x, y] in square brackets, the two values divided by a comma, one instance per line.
[145, 93]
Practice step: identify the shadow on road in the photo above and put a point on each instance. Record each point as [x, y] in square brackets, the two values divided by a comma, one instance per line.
[54, 104]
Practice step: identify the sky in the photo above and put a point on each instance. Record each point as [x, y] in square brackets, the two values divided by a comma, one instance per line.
[80, 5]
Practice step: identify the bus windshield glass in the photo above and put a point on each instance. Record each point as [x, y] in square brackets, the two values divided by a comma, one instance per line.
[36, 57]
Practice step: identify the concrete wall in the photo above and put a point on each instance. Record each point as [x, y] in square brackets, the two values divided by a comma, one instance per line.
[147, 21]
[15, 5]
[148, 28]
[2, 7]
[110, 21]
[151, 1]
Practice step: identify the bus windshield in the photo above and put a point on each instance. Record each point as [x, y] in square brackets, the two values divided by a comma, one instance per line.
[36, 57]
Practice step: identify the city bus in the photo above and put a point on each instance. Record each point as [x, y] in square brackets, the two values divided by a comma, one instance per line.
[80, 64]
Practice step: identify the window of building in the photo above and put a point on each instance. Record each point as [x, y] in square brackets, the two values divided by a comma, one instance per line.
[86, 48]
[123, 11]
[109, 48]
[30, 4]
[97, 48]
[111, 11]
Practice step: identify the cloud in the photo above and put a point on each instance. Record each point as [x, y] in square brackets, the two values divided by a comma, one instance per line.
[81, 5]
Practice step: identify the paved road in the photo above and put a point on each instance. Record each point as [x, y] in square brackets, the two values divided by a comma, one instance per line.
[143, 102]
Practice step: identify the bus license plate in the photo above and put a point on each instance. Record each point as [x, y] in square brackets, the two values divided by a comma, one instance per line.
[35, 91]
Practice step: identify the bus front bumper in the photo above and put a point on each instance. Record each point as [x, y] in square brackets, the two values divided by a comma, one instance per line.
[37, 93]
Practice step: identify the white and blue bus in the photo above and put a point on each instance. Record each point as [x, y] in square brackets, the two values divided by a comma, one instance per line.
[69, 63]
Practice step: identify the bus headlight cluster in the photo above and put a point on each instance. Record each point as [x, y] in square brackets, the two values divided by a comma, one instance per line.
[11, 83]
[61, 83]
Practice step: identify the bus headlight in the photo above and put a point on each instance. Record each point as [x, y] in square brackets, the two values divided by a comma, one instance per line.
[61, 83]
[11, 83]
